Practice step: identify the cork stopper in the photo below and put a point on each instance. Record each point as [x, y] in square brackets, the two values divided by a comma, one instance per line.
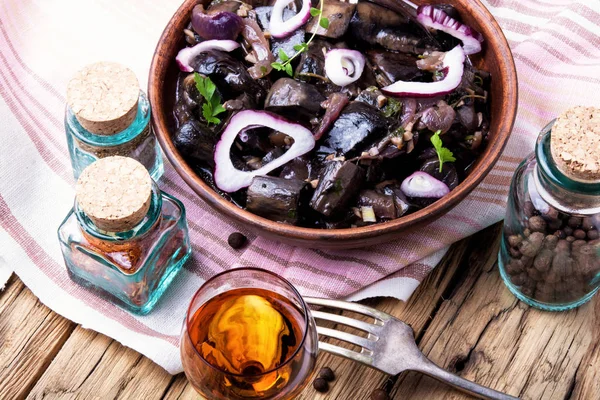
[115, 192]
[104, 97]
[575, 143]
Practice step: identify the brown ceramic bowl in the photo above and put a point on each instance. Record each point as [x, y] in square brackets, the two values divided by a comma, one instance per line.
[496, 58]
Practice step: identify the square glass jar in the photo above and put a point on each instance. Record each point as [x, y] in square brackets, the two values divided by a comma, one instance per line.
[131, 269]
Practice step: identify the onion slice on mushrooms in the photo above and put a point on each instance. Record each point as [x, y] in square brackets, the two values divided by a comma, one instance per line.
[230, 179]
[344, 66]
[421, 184]
[435, 18]
[453, 68]
[185, 56]
[280, 29]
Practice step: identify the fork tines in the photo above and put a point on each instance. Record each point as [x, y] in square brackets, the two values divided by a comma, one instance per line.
[365, 343]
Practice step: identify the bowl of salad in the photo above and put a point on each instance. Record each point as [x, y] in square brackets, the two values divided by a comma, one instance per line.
[333, 124]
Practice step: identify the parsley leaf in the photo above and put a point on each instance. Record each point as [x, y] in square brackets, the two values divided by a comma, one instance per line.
[315, 11]
[444, 155]
[324, 22]
[212, 101]
[277, 66]
[288, 69]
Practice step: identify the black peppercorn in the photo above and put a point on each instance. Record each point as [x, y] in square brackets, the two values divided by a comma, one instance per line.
[537, 224]
[587, 224]
[379, 394]
[574, 222]
[568, 230]
[236, 240]
[592, 234]
[579, 234]
[327, 374]
[321, 385]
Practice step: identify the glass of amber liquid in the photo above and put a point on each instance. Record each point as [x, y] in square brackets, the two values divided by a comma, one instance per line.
[248, 334]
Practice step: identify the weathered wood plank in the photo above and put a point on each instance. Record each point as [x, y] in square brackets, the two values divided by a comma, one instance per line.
[91, 364]
[416, 312]
[30, 336]
[484, 334]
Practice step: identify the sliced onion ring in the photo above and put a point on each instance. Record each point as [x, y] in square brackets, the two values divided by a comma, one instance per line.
[230, 179]
[435, 18]
[453, 66]
[280, 29]
[421, 184]
[185, 56]
[344, 66]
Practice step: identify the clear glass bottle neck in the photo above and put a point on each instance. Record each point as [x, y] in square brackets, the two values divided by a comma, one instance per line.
[151, 218]
[559, 190]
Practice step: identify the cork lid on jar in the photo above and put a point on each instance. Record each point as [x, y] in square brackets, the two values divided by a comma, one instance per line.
[115, 192]
[104, 97]
[575, 143]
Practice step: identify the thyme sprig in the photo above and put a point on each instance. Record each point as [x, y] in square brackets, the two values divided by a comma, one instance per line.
[302, 47]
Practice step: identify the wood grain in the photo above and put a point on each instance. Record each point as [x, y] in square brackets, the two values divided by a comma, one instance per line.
[93, 363]
[30, 336]
[484, 334]
[464, 318]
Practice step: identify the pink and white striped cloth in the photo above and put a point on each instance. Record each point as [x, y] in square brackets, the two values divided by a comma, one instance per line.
[556, 45]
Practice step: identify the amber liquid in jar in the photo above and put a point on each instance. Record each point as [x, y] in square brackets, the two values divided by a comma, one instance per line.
[249, 334]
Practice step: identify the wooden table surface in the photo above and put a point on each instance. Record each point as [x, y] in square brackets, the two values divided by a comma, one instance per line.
[464, 319]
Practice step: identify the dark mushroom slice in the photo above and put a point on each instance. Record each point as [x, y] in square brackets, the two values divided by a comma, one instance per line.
[339, 181]
[229, 74]
[275, 198]
[383, 204]
[188, 98]
[294, 99]
[287, 44]
[299, 168]
[339, 15]
[397, 66]
[312, 61]
[195, 141]
[377, 25]
[448, 175]
[217, 7]
[334, 105]
[358, 126]
[263, 15]
[403, 206]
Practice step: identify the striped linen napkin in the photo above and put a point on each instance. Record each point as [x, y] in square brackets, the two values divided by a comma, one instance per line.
[556, 46]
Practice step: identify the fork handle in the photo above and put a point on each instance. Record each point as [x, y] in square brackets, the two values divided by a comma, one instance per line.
[431, 369]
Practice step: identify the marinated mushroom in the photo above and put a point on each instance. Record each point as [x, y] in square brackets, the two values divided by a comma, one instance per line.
[330, 115]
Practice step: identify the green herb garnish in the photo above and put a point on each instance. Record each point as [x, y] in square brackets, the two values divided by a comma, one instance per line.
[392, 107]
[444, 155]
[212, 101]
[302, 47]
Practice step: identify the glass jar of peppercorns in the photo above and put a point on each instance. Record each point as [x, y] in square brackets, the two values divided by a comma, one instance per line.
[550, 252]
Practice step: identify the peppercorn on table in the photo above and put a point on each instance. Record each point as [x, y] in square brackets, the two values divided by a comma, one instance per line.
[464, 318]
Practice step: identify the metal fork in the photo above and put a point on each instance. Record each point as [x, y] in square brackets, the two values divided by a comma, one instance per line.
[389, 347]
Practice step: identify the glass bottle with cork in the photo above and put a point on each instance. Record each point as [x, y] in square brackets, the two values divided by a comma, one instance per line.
[124, 238]
[108, 115]
[550, 252]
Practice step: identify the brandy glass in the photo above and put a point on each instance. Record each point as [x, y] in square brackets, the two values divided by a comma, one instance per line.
[248, 334]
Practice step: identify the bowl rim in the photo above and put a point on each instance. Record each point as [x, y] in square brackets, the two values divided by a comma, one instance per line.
[303, 234]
